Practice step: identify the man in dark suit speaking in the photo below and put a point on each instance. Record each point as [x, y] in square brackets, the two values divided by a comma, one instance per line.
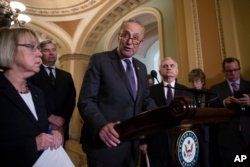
[58, 88]
[114, 89]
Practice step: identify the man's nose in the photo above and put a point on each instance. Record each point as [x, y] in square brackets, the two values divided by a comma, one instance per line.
[51, 53]
[130, 41]
[169, 68]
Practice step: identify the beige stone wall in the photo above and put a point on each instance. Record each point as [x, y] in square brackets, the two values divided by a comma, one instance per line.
[208, 31]
[76, 64]
[210, 42]
[242, 21]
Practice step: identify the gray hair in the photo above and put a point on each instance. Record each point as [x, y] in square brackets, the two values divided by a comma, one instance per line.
[168, 58]
[46, 42]
[132, 21]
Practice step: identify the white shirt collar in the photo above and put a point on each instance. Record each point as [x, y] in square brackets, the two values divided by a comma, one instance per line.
[172, 83]
[130, 59]
[238, 82]
[53, 67]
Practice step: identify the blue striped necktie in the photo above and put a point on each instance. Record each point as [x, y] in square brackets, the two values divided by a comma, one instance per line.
[131, 77]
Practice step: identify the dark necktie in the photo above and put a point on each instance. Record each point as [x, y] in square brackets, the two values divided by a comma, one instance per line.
[169, 95]
[51, 75]
[131, 77]
[235, 87]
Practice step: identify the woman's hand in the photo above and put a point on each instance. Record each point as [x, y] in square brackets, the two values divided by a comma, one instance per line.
[52, 140]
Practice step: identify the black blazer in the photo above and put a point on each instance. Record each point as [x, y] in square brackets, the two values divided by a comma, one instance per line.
[223, 90]
[158, 144]
[158, 94]
[106, 95]
[18, 126]
[59, 98]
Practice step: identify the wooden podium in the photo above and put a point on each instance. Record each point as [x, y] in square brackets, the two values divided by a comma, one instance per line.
[181, 116]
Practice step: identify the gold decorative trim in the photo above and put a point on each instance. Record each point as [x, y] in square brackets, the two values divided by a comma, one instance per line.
[76, 56]
[140, 11]
[108, 20]
[71, 10]
[220, 29]
[198, 48]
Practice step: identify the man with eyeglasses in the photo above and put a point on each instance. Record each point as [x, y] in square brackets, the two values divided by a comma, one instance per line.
[234, 92]
[114, 89]
[58, 87]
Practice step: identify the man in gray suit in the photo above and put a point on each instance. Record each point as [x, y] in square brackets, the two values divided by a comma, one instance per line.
[114, 89]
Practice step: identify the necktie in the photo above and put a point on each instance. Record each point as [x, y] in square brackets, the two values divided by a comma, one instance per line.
[169, 95]
[235, 87]
[51, 75]
[131, 77]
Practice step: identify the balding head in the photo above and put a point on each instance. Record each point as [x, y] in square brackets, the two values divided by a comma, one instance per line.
[169, 69]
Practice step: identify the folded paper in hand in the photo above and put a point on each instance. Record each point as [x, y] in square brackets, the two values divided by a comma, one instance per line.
[55, 158]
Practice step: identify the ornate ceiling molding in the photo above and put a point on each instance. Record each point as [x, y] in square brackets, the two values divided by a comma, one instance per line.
[75, 56]
[56, 12]
[149, 17]
[108, 20]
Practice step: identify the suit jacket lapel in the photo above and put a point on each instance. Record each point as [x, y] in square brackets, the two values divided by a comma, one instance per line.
[58, 76]
[178, 92]
[38, 107]
[244, 86]
[226, 89]
[161, 93]
[11, 93]
[139, 75]
[45, 77]
[43, 72]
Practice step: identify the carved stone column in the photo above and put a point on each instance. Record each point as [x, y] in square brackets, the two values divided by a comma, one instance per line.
[76, 64]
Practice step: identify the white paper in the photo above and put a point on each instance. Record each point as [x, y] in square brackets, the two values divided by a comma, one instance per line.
[54, 158]
[147, 160]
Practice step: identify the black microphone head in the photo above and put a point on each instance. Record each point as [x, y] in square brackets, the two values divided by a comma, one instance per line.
[153, 73]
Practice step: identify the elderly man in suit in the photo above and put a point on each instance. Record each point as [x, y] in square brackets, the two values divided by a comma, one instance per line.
[161, 146]
[114, 89]
[160, 92]
[234, 135]
[58, 87]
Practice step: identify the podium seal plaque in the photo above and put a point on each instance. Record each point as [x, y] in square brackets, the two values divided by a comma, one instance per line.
[187, 149]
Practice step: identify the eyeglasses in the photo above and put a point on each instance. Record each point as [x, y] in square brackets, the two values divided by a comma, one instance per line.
[135, 39]
[30, 46]
[232, 70]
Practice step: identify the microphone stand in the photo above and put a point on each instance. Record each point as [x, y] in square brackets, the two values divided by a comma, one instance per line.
[196, 93]
[154, 75]
[157, 80]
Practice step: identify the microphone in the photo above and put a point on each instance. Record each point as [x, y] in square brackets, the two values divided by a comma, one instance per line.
[153, 74]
